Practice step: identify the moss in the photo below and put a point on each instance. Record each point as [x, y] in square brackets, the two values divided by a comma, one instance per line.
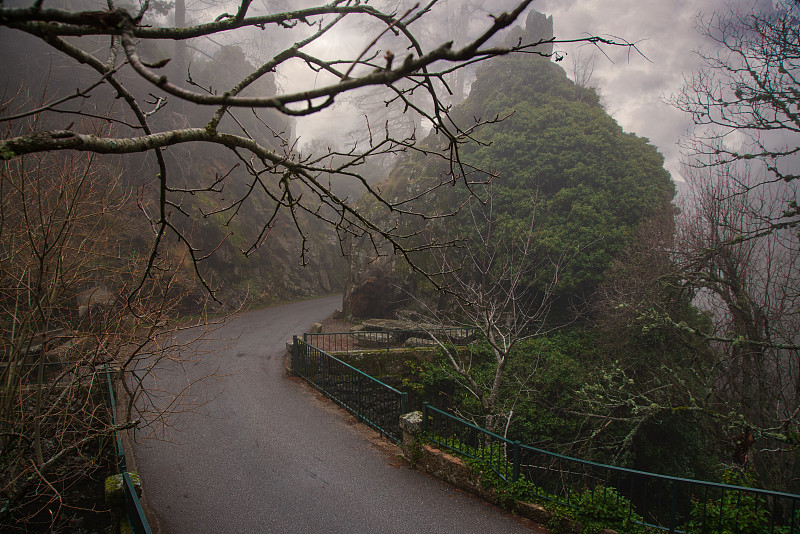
[114, 488]
[6, 153]
[415, 453]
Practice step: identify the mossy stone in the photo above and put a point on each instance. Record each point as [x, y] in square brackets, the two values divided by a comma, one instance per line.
[115, 492]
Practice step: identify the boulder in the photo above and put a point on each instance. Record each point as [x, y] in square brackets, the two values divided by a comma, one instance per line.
[375, 286]
[373, 296]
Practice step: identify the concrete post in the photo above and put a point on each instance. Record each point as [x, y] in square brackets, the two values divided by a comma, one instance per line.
[411, 429]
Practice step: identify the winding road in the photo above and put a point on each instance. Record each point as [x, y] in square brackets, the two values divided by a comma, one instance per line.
[268, 454]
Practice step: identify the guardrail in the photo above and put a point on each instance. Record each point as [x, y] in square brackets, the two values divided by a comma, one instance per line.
[370, 400]
[658, 501]
[387, 339]
[133, 506]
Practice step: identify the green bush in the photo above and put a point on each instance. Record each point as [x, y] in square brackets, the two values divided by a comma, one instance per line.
[736, 512]
[603, 507]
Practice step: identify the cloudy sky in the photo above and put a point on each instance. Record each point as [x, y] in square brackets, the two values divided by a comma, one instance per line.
[633, 87]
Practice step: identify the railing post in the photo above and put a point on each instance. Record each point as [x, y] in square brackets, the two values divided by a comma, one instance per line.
[516, 456]
[111, 400]
[358, 397]
[295, 348]
[424, 417]
[673, 519]
[324, 376]
[403, 403]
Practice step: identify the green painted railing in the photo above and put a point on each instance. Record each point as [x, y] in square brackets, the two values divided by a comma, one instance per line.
[370, 400]
[658, 501]
[387, 339]
[133, 506]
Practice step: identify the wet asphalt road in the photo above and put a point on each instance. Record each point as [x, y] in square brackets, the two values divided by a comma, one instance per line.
[267, 454]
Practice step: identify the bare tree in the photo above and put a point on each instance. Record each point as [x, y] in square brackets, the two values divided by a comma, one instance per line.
[67, 314]
[582, 72]
[501, 285]
[751, 288]
[744, 98]
[271, 167]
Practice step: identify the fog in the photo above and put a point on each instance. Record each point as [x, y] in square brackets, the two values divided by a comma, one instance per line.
[633, 84]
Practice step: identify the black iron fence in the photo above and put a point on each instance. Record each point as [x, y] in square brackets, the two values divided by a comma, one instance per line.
[657, 501]
[370, 400]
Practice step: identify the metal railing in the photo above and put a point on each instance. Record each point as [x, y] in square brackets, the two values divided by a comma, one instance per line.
[387, 339]
[370, 400]
[133, 506]
[658, 501]
[471, 441]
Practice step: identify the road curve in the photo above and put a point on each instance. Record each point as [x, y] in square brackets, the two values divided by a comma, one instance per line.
[267, 454]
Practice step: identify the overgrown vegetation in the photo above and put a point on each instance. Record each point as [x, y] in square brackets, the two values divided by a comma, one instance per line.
[68, 310]
[670, 339]
[595, 509]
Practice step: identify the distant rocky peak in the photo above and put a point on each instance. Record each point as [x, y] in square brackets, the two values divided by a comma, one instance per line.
[538, 27]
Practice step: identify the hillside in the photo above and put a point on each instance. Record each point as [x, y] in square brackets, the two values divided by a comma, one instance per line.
[553, 149]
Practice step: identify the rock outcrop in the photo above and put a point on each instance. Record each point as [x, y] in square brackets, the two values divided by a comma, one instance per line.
[374, 286]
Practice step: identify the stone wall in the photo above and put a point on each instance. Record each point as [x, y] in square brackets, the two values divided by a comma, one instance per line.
[428, 459]
[453, 470]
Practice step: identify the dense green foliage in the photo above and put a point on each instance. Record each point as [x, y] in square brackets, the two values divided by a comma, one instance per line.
[564, 172]
[566, 396]
[555, 153]
[592, 184]
[737, 512]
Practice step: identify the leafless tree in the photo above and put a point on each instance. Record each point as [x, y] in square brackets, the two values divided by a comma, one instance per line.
[67, 316]
[114, 44]
[582, 69]
[744, 98]
[751, 288]
[501, 285]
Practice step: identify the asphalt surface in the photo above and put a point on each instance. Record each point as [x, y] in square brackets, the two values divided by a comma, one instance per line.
[265, 453]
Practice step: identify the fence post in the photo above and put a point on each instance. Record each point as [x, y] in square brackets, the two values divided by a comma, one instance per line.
[359, 413]
[294, 354]
[111, 401]
[424, 417]
[673, 519]
[515, 471]
[403, 403]
[325, 376]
